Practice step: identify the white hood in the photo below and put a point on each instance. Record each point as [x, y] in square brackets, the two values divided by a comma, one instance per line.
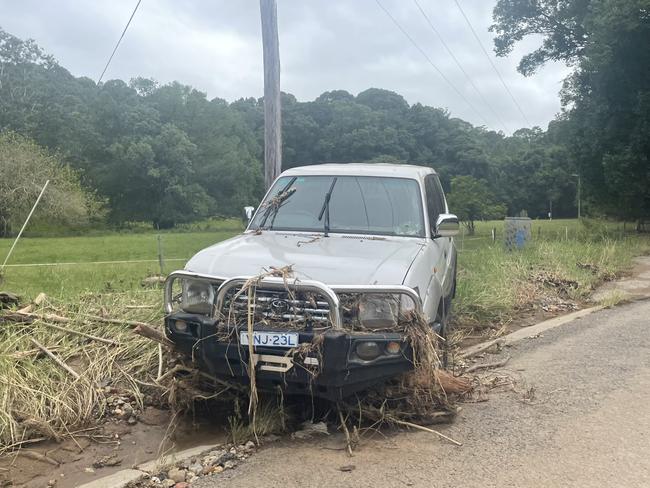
[334, 260]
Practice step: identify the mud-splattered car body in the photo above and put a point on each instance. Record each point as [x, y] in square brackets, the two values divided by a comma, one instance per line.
[318, 288]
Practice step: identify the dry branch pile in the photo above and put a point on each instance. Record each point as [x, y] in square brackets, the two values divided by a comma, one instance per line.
[60, 362]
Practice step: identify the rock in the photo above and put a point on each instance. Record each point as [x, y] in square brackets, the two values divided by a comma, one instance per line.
[89, 470]
[132, 421]
[51, 483]
[249, 446]
[111, 460]
[219, 457]
[270, 438]
[217, 469]
[229, 464]
[182, 484]
[177, 475]
[168, 483]
[209, 461]
[310, 429]
[196, 468]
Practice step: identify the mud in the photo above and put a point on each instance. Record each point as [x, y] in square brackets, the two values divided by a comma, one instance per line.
[116, 443]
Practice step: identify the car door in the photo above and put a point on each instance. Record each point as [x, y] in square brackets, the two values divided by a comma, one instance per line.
[439, 249]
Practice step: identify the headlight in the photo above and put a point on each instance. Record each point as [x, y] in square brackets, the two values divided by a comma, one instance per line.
[383, 311]
[197, 297]
[368, 350]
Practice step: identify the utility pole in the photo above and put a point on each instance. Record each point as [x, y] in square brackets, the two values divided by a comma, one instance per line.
[272, 109]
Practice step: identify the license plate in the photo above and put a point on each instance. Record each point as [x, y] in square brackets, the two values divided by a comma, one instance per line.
[270, 339]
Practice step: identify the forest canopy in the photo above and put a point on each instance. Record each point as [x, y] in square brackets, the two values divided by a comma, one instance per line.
[167, 154]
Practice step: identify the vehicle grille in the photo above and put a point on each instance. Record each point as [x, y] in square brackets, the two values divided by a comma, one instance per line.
[271, 307]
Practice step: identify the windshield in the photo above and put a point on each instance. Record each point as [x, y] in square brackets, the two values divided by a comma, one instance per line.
[358, 204]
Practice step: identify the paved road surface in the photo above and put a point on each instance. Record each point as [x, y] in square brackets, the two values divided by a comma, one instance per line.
[588, 426]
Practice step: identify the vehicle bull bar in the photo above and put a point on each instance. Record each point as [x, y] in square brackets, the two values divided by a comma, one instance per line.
[328, 292]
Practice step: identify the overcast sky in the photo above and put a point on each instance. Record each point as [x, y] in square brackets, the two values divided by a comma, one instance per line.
[215, 46]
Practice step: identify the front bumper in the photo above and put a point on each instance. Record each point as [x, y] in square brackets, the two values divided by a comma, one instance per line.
[330, 370]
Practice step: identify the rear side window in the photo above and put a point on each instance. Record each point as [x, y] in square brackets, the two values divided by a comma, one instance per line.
[435, 198]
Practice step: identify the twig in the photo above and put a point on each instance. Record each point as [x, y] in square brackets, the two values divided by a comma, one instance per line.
[494, 364]
[426, 429]
[40, 298]
[471, 352]
[348, 439]
[96, 318]
[155, 335]
[55, 358]
[37, 456]
[83, 334]
[160, 361]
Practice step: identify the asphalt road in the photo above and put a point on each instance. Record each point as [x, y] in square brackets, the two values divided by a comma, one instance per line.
[587, 425]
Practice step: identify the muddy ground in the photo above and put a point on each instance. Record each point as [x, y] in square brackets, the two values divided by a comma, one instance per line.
[110, 448]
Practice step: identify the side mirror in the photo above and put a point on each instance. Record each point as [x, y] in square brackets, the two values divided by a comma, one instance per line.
[247, 214]
[447, 225]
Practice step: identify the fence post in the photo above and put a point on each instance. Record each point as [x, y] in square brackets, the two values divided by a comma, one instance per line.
[161, 260]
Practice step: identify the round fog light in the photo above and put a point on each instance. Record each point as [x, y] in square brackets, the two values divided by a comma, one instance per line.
[180, 326]
[368, 350]
[393, 347]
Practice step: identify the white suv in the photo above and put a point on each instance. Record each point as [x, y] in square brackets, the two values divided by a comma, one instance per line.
[361, 244]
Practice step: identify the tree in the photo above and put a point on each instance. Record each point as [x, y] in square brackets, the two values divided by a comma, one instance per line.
[471, 200]
[605, 126]
[561, 23]
[24, 170]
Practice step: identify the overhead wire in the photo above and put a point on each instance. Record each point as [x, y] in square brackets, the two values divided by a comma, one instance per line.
[118, 42]
[460, 66]
[480, 43]
[433, 65]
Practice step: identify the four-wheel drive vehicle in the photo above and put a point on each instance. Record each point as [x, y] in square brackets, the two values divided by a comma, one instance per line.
[334, 258]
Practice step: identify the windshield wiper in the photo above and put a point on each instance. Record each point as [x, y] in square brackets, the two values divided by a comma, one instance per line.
[274, 204]
[326, 209]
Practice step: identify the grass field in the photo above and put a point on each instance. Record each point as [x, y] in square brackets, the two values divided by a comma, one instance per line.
[489, 278]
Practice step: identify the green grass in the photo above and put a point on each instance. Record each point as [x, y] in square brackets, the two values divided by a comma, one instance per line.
[494, 284]
[68, 280]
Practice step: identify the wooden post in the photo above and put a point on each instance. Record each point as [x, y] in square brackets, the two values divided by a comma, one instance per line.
[161, 261]
[272, 108]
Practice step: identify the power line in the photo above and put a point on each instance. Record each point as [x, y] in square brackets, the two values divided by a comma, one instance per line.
[119, 41]
[442, 75]
[480, 43]
[460, 66]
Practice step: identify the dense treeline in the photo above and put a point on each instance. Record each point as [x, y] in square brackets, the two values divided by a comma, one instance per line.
[167, 154]
[606, 119]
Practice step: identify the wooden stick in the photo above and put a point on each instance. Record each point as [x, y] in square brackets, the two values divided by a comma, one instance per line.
[348, 440]
[83, 334]
[479, 348]
[494, 364]
[40, 298]
[96, 318]
[155, 335]
[37, 456]
[55, 358]
[426, 429]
